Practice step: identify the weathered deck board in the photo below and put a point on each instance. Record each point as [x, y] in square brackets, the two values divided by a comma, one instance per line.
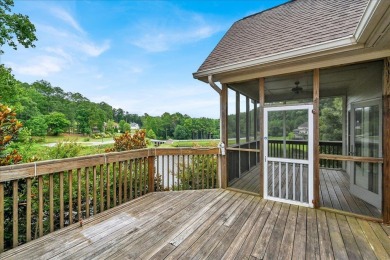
[334, 191]
[213, 224]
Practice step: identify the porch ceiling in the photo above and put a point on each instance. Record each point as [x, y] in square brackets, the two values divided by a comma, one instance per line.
[334, 81]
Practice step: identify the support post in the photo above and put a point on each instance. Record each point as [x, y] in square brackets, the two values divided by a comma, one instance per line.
[386, 142]
[261, 128]
[223, 133]
[151, 173]
[316, 137]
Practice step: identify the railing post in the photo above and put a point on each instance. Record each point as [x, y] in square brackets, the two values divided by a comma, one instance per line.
[151, 173]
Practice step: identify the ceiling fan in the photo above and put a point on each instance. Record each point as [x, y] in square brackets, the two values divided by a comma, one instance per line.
[297, 89]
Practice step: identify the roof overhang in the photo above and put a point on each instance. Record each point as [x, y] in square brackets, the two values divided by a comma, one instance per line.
[370, 41]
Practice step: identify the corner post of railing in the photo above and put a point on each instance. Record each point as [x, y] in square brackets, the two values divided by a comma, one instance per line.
[151, 171]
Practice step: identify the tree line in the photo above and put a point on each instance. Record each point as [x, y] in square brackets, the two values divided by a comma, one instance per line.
[47, 109]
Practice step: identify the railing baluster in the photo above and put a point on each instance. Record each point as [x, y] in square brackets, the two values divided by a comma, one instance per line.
[193, 186]
[1, 217]
[61, 179]
[114, 183]
[286, 180]
[178, 172]
[280, 180]
[273, 179]
[108, 186]
[145, 174]
[94, 192]
[86, 192]
[28, 211]
[51, 202]
[301, 184]
[40, 205]
[131, 179]
[101, 172]
[120, 182]
[169, 187]
[203, 166]
[173, 172]
[79, 217]
[294, 166]
[70, 191]
[163, 171]
[140, 177]
[125, 170]
[15, 217]
[135, 178]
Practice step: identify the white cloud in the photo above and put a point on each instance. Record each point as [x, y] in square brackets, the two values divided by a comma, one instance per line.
[158, 34]
[165, 39]
[40, 66]
[66, 17]
[92, 49]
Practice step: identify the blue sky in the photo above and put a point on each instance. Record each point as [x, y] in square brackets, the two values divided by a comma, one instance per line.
[137, 55]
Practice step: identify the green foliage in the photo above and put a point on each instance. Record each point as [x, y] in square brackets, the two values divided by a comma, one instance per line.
[150, 134]
[111, 127]
[57, 122]
[180, 133]
[24, 135]
[124, 126]
[15, 28]
[37, 125]
[331, 126]
[9, 129]
[64, 149]
[195, 128]
[201, 174]
[128, 141]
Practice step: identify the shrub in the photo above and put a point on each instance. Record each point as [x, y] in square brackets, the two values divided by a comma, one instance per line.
[9, 129]
[128, 141]
[65, 149]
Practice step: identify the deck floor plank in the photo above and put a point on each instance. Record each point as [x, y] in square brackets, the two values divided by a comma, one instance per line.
[312, 244]
[247, 247]
[349, 241]
[212, 224]
[326, 250]
[336, 238]
[287, 243]
[234, 247]
[334, 190]
[265, 235]
[299, 251]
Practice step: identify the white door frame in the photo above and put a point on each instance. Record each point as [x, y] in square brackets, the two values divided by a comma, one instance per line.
[308, 162]
[364, 194]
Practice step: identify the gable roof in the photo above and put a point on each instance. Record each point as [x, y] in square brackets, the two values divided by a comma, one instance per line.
[290, 26]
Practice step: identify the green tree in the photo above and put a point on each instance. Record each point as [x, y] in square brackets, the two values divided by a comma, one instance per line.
[37, 125]
[110, 126]
[181, 133]
[331, 126]
[57, 123]
[150, 134]
[15, 28]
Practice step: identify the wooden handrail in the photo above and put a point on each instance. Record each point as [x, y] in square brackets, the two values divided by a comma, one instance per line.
[351, 158]
[26, 170]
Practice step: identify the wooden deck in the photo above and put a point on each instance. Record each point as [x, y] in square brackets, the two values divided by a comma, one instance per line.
[213, 224]
[334, 191]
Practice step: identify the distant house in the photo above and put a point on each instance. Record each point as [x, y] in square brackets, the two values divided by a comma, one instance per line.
[296, 54]
[134, 126]
[301, 132]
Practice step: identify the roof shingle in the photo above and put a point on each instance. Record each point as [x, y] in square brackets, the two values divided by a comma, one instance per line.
[293, 25]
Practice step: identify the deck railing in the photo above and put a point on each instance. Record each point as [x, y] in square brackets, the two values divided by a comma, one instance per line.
[243, 157]
[39, 198]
